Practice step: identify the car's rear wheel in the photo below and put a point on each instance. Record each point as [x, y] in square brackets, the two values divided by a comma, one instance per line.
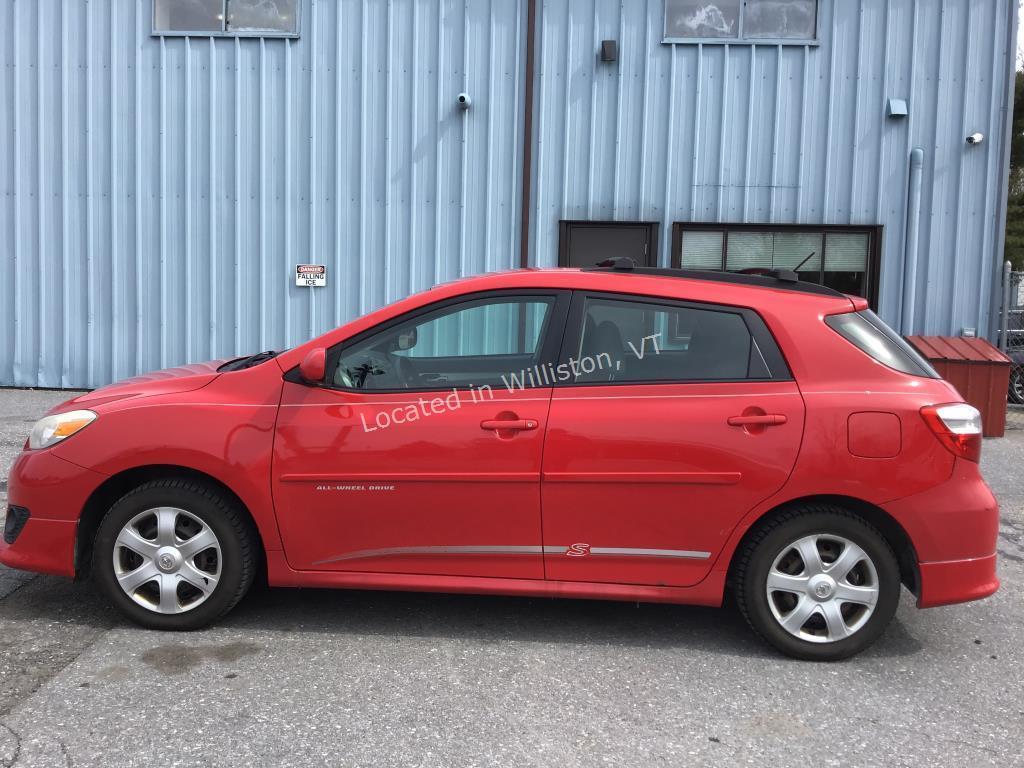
[818, 583]
[174, 554]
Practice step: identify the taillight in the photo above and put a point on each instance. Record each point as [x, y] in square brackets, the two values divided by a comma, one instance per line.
[958, 427]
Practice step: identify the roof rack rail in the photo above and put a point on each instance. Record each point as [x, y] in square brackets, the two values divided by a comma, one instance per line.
[781, 278]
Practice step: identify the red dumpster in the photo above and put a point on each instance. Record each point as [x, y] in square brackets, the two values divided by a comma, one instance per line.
[979, 371]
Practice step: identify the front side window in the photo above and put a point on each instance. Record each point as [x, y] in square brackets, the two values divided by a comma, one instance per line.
[635, 341]
[471, 344]
[727, 21]
[226, 17]
[841, 259]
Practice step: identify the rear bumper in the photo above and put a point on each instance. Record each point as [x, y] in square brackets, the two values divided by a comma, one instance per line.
[957, 581]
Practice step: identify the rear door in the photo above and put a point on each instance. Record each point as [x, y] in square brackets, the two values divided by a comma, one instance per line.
[678, 418]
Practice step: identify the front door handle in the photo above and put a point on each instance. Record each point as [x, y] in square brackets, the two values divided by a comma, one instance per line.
[760, 419]
[517, 425]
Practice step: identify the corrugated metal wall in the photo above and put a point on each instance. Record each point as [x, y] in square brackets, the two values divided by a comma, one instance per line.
[767, 133]
[158, 192]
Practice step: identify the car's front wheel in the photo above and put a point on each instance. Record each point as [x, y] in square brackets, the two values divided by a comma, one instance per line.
[817, 582]
[174, 554]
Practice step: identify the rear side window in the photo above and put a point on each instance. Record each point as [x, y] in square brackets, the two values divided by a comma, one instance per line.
[866, 331]
[639, 341]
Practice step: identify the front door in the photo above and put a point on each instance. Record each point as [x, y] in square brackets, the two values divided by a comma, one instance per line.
[421, 450]
[681, 418]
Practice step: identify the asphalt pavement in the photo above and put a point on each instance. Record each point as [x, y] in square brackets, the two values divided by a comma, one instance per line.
[310, 677]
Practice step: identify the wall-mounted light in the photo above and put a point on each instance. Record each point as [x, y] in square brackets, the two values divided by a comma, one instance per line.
[462, 101]
[976, 138]
[609, 50]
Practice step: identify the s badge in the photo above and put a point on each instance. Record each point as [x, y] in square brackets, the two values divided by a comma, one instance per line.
[578, 550]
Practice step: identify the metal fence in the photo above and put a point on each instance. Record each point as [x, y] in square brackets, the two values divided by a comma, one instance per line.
[1011, 340]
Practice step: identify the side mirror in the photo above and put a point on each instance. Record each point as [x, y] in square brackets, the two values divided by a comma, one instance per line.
[314, 366]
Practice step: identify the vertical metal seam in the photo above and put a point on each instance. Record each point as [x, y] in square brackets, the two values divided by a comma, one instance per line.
[315, 255]
[338, 48]
[670, 131]
[618, 123]
[188, 321]
[697, 115]
[827, 160]
[799, 212]
[855, 144]
[593, 122]
[566, 119]
[118, 331]
[140, 318]
[388, 232]
[750, 134]
[539, 131]
[211, 205]
[776, 119]
[933, 157]
[644, 105]
[956, 287]
[237, 205]
[65, 374]
[882, 129]
[44, 339]
[263, 215]
[164, 326]
[726, 56]
[464, 148]
[90, 212]
[288, 170]
[488, 184]
[437, 145]
[414, 245]
[363, 252]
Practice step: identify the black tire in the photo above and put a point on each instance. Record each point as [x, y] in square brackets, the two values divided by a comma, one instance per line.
[232, 527]
[771, 539]
[1016, 391]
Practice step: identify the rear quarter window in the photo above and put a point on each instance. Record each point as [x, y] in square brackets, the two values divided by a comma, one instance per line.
[867, 331]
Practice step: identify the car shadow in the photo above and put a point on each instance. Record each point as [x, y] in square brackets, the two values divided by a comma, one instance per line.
[483, 618]
[492, 618]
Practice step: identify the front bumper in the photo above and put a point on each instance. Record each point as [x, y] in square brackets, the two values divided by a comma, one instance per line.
[54, 491]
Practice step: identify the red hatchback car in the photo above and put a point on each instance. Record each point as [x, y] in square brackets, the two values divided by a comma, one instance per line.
[613, 433]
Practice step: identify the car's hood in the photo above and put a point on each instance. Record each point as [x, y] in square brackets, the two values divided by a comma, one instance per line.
[184, 378]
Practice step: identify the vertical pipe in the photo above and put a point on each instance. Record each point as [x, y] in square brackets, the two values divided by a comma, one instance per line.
[913, 236]
[524, 230]
[1004, 319]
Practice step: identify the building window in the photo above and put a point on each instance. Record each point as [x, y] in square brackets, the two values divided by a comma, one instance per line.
[241, 18]
[843, 258]
[726, 21]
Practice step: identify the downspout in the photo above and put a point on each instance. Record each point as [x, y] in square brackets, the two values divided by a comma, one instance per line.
[527, 181]
[913, 238]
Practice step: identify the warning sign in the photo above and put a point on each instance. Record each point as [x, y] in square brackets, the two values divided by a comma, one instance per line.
[313, 275]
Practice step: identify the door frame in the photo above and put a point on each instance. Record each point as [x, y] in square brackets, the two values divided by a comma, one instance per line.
[565, 227]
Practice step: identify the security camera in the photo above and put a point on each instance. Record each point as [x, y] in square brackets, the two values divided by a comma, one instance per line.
[976, 138]
[463, 101]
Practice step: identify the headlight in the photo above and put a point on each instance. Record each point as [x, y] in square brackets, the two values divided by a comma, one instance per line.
[50, 430]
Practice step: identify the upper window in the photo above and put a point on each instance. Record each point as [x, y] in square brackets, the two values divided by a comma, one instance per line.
[257, 18]
[840, 258]
[638, 341]
[482, 342]
[724, 21]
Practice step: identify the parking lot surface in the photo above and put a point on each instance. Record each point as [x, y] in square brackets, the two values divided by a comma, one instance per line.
[303, 678]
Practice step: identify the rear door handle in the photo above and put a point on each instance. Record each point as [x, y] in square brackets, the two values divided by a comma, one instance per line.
[763, 419]
[509, 424]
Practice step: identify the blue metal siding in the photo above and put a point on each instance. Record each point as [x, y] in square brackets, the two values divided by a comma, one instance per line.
[786, 134]
[157, 192]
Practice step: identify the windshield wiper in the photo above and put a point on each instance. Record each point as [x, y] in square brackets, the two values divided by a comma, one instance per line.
[247, 362]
